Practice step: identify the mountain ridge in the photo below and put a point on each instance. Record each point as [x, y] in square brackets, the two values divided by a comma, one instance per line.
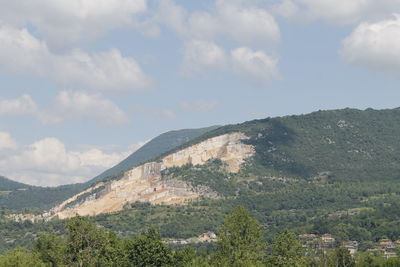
[323, 172]
[286, 147]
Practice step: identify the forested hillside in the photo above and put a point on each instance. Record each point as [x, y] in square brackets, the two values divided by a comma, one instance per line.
[327, 171]
[335, 172]
[240, 243]
[345, 144]
[9, 185]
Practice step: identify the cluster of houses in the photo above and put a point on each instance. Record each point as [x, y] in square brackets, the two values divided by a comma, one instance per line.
[313, 244]
[386, 247]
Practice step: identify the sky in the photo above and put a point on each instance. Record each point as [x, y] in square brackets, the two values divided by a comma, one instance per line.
[84, 83]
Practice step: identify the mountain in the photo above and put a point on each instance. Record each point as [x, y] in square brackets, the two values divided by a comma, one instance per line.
[146, 183]
[157, 146]
[17, 196]
[334, 172]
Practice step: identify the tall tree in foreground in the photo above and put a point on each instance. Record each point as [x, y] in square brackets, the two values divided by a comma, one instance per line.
[286, 251]
[240, 240]
[341, 258]
[149, 250]
[51, 249]
[19, 257]
[88, 245]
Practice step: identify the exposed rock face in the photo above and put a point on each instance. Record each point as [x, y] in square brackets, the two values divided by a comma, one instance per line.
[226, 147]
[144, 183]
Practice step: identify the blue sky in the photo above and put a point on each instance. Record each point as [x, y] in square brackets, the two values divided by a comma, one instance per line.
[84, 83]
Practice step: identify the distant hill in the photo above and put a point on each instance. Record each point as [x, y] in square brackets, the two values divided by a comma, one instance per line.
[18, 196]
[10, 185]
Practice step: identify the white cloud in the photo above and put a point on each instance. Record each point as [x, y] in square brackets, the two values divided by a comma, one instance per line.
[337, 11]
[48, 162]
[6, 141]
[22, 53]
[247, 24]
[242, 22]
[200, 55]
[375, 46]
[255, 65]
[68, 105]
[68, 22]
[18, 106]
[237, 20]
[80, 105]
[203, 25]
[199, 106]
[96, 157]
[172, 15]
[286, 8]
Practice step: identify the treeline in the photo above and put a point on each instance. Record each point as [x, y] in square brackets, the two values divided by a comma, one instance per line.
[240, 243]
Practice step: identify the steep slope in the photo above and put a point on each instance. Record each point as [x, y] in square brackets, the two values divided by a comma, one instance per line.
[157, 146]
[146, 182]
[39, 198]
[347, 144]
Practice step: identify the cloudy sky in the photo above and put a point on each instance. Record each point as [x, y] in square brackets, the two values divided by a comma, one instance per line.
[86, 82]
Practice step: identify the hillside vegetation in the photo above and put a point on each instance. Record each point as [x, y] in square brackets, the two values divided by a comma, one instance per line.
[327, 171]
[240, 243]
[10, 185]
[332, 172]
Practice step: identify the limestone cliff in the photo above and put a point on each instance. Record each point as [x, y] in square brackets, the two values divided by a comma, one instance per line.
[144, 183]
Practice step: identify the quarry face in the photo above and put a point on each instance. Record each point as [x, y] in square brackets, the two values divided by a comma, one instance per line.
[144, 183]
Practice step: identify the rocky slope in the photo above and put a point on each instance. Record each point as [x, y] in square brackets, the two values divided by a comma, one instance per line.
[152, 149]
[145, 183]
[16, 196]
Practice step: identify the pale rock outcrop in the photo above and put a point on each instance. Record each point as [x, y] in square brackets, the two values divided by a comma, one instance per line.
[145, 184]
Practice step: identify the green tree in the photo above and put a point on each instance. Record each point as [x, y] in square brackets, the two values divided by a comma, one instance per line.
[148, 250]
[51, 249]
[87, 245]
[368, 260]
[18, 257]
[184, 256]
[341, 258]
[392, 262]
[240, 240]
[287, 251]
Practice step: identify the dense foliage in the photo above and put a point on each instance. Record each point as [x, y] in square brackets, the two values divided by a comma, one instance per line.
[35, 198]
[239, 244]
